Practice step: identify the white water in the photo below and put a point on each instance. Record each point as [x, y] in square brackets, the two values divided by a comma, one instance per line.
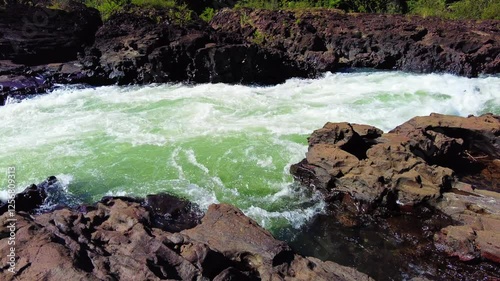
[214, 142]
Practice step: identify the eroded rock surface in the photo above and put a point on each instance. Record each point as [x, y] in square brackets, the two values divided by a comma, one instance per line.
[118, 239]
[329, 40]
[448, 162]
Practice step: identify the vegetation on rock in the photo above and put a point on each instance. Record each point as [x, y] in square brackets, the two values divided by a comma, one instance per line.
[206, 9]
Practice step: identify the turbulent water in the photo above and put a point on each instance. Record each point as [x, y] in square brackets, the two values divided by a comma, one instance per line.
[214, 142]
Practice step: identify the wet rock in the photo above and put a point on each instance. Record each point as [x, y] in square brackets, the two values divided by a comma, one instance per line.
[458, 241]
[477, 213]
[31, 198]
[116, 239]
[171, 213]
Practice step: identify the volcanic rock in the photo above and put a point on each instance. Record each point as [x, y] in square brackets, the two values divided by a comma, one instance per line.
[149, 46]
[117, 239]
[39, 47]
[448, 162]
[331, 39]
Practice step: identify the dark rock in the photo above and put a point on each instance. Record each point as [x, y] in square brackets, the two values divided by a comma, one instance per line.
[134, 48]
[39, 47]
[32, 197]
[171, 213]
[329, 39]
[35, 36]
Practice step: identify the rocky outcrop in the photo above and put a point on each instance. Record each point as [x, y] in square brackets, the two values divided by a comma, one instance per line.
[329, 40]
[372, 167]
[145, 47]
[447, 162]
[157, 238]
[36, 36]
[39, 47]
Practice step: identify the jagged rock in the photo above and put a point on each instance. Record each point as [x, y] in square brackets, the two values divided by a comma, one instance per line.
[375, 168]
[331, 39]
[36, 36]
[133, 47]
[367, 172]
[31, 198]
[39, 47]
[116, 240]
[401, 166]
[458, 241]
[470, 146]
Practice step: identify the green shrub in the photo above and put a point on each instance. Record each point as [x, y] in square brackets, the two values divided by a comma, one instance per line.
[258, 37]
[427, 8]
[107, 7]
[475, 9]
[207, 14]
[492, 11]
[154, 3]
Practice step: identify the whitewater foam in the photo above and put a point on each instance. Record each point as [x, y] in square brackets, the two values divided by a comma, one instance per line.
[214, 142]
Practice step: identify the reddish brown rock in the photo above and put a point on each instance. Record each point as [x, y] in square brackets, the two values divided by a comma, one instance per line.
[371, 167]
[458, 241]
[115, 240]
[448, 162]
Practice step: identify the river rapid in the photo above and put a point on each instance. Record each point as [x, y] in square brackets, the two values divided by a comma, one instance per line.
[213, 143]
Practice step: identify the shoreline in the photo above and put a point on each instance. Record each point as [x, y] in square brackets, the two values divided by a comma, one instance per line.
[239, 46]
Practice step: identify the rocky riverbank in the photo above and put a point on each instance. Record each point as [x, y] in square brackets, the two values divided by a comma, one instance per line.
[40, 48]
[157, 238]
[442, 170]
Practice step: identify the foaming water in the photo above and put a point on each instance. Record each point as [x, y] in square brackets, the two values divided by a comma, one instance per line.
[214, 142]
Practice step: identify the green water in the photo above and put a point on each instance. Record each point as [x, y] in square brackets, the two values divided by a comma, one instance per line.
[213, 143]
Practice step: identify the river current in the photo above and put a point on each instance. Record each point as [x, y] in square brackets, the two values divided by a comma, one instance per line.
[213, 142]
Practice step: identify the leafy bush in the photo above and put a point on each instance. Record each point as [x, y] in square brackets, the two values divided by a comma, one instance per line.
[475, 9]
[107, 7]
[463, 9]
[427, 8]
[207, 14]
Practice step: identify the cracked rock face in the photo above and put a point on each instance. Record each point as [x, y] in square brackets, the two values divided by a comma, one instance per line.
[117, 239]
[448, 162]
[371, 166]
[329, 40]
